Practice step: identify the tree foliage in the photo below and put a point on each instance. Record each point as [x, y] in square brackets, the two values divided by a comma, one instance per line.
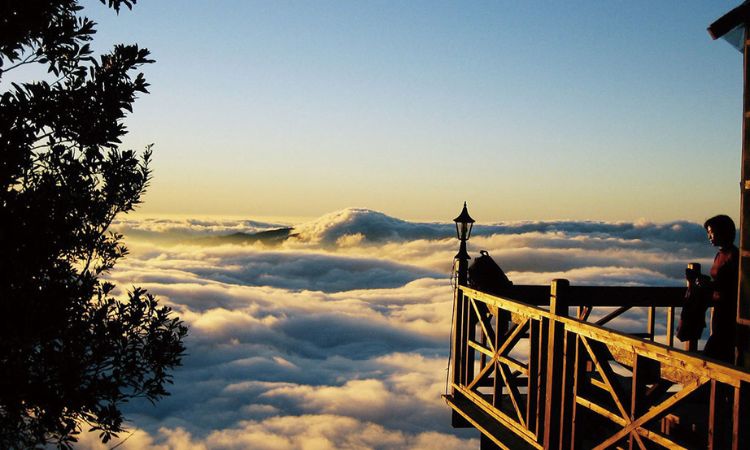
[71, 353]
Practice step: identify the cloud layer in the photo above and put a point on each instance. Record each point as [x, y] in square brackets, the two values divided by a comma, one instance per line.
[338, 336]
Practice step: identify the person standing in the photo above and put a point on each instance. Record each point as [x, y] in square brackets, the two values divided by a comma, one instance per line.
[723, 289]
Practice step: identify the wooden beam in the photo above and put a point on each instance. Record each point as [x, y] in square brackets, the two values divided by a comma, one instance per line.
[667, 356]
[513, 337]
[597, 295]
[555, 363]
[648, 434]
[652, 413]
[503, 436]
[500, 417]
[626, 296]
[600, 384]
[610, 384]
[481, 375]
[641, 367]
[523, 368]
[729, 21]
[508, 304]
[482, 312]
[588, 404]
[614, 314]
[513, 393]
[530, 294]
[480, 348]
[659, 439]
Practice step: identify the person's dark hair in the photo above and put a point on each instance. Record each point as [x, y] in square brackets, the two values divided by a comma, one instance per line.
[722, 225]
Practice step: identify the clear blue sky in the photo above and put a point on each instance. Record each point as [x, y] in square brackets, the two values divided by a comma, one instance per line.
[607, 110]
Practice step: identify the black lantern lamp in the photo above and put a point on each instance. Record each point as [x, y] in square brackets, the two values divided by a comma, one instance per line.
[464, 224]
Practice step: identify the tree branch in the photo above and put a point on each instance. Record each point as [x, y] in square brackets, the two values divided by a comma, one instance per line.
[27, 60]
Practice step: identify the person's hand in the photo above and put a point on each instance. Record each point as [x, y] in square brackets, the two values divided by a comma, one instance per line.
[703, 281]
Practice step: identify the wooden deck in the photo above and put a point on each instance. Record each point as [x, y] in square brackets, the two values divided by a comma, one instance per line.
[529, 376]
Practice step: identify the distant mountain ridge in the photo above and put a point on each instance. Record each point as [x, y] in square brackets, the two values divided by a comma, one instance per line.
[269, 237]
[369, 225]
[351, 226]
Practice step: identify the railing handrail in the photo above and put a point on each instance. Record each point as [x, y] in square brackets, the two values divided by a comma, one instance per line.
[658, 296]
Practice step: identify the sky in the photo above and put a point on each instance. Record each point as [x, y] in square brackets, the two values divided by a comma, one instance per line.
[527, 110]
[338, 338]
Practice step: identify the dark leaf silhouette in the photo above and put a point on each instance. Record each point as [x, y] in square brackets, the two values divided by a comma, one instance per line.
[71, 352]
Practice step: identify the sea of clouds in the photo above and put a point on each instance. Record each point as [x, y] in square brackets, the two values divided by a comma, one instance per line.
[337, 338]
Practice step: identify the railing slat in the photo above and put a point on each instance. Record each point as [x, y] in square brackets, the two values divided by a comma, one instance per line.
[533, 376]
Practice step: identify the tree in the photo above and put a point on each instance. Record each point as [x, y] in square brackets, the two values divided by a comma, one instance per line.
[71, 353]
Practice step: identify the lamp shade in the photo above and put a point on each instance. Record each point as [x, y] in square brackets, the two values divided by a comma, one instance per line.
[464, 224]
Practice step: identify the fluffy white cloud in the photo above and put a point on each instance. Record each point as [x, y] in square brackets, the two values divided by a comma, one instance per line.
[306, 432]
[183, 228]
[338, 336]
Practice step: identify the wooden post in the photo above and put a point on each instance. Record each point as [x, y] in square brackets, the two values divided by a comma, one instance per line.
[470, 326]
[501, 330]
[578, 426]
[692, 346]
[461, 267]
[743, 300]
[670, 326]
[458, 313]
[741, 415]
[720, 417]
[650, 325]
[541, 392]
[570, 367]
[533, 379]
[558, 306]
[713, 435]
[458, 321]
[645, 371]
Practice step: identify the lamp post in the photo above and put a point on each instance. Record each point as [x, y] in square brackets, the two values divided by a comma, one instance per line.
[464, 224]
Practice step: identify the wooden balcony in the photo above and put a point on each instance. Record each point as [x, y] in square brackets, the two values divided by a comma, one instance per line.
[530, 371]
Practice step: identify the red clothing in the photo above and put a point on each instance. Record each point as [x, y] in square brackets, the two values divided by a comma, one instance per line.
[724, 273]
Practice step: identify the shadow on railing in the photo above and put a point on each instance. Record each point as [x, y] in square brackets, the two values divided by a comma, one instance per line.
[532, 377]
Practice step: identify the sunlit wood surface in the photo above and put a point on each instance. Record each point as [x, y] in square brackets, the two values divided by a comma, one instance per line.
[528, 374]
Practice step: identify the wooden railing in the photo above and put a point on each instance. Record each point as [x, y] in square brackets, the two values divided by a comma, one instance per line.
[529, 376]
